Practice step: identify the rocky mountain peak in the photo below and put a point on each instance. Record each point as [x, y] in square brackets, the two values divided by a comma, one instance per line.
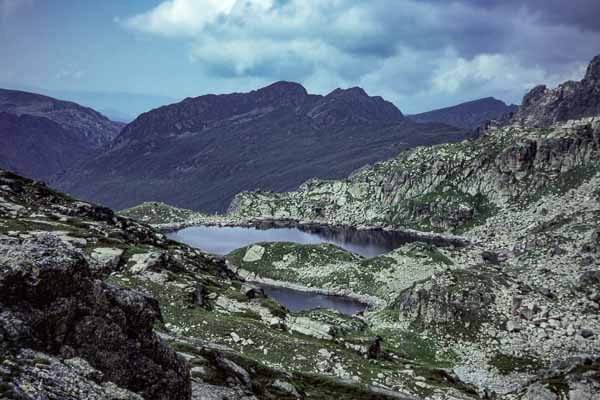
[353, 106]
[283, 89]
[543, 107]
[353, 92]
[280, 94]
[593, 70]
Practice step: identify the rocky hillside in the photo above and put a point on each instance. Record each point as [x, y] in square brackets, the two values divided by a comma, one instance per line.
[94, 305]
[515, 311]
[445, 188]
[469, 115]
[201, 152]
[41, 136]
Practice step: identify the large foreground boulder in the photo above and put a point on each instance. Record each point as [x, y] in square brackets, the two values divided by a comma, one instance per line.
[50, 303]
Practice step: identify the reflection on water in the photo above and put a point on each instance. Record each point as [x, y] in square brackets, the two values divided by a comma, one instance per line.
[295, 300]
[222, 240]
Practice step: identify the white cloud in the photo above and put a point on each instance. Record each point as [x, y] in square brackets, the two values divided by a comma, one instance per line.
[187, 17]
[419, 54]
[69, 73]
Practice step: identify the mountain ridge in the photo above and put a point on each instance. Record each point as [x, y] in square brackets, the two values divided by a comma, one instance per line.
[200, 152]
[38, 147]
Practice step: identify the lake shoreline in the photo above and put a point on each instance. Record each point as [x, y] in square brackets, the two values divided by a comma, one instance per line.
[372, 302]
[410, 235]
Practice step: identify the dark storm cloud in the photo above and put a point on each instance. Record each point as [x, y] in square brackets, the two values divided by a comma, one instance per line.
[581, 13]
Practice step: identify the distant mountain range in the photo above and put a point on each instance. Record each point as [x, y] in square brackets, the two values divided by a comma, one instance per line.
[41, 136]
[199, 153]
[117, 106]
[469, 115]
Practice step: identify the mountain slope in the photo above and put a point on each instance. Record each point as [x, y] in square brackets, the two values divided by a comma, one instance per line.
[469, 115]
[202, 151]
[38, 147]
[90, 126]
[41, 136]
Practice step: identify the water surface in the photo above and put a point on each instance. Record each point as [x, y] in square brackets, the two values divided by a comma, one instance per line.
[223, 240]
[296, 300]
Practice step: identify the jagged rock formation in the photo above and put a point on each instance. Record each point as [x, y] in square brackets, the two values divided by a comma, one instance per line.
[202, 151]
[543, 107]
[41, 136]
[469, 115]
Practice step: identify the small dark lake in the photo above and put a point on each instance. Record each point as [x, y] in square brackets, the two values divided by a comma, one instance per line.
[296, 300]
[223, 240]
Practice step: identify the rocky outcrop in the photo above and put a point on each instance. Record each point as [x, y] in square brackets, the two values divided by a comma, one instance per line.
[50, 303]
[68, 379]
[573, 378]
[543, 107]
[459, 302]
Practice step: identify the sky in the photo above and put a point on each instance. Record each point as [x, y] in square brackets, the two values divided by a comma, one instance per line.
[419, 54]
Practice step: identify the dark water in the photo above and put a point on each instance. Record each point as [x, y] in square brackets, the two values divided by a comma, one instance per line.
[222, 240]
[296, 300]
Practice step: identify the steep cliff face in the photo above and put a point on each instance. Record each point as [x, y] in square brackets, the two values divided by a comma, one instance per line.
[202, 151]
[543, 107]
